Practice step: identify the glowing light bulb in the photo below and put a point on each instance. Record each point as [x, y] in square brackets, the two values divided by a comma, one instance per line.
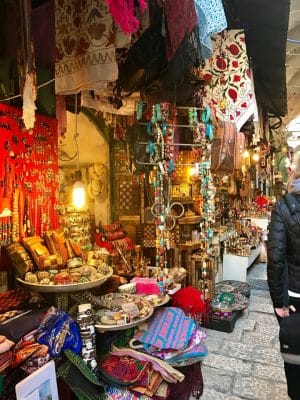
[255, 157]
[192, 171]
[78, 195]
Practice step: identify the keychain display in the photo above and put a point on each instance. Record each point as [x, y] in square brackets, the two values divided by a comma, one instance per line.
[87, 330]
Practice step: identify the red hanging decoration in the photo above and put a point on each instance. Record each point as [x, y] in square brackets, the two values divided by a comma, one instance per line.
[123, 13]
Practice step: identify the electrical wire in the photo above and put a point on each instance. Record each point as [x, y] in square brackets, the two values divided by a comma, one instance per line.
[293, 41]
[19, 95]
[76, 134]
[63, 156]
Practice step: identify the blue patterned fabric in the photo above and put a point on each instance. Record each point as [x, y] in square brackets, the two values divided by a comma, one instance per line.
[168, 328]
[211, 19]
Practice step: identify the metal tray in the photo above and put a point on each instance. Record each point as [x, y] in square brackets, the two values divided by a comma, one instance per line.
[106, 328]
[71, 287]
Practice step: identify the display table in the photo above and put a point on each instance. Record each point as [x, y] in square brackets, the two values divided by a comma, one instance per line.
[263, 224]
[260, 222]
[235, 267]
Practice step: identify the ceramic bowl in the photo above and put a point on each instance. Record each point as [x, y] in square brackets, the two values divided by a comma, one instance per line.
[127, 288]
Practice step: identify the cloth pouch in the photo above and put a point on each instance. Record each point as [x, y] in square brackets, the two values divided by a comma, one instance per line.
[122, 371]
[59, 332]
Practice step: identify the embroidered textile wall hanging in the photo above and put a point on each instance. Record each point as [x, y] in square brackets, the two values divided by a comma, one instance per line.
[28, 176]
[85, 50]
[230, 88]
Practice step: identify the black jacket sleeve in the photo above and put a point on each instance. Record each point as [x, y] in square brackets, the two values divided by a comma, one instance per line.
[276, 250]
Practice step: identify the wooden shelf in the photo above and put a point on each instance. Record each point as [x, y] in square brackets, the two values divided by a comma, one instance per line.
[189, 220]
[192, 246]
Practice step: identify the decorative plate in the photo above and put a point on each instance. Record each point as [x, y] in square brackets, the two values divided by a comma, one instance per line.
[238, 287]
[222, 287]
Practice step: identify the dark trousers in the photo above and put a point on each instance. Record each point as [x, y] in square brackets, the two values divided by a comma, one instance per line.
[292, 371]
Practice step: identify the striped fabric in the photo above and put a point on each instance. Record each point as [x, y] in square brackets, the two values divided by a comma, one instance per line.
[169, 328]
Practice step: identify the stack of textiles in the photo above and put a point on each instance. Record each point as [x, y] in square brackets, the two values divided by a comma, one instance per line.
[158, 361]
[29, 339]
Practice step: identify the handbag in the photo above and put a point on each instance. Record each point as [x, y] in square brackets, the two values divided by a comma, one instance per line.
[289, 338]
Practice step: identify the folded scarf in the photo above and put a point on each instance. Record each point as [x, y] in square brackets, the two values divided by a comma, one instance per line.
[169, 373]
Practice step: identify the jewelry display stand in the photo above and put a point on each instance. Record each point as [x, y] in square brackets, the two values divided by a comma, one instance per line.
[77, 227]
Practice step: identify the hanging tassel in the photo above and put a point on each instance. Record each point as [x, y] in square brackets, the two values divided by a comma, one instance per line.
[123, 14]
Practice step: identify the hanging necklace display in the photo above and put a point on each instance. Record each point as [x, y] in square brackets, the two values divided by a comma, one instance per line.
[160, 253]
[27, 155]
[207, 191]
[160, 146]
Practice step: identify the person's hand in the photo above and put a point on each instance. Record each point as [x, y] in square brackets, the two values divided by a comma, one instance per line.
[282, 312]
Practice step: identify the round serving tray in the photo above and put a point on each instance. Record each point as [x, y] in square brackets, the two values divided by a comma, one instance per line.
[105, 328]
[71, 287]
[164, 300]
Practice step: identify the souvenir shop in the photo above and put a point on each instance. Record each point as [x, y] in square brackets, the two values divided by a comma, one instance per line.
[137, 178]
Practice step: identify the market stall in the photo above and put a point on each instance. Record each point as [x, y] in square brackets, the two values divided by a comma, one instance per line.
[128, 223]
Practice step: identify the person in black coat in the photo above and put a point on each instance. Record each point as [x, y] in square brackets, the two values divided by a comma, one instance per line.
[283, 253]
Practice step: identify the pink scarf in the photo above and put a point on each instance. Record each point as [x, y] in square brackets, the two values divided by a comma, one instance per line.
[123, 14]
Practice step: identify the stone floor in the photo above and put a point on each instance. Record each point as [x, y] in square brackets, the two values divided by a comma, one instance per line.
[246, 364]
